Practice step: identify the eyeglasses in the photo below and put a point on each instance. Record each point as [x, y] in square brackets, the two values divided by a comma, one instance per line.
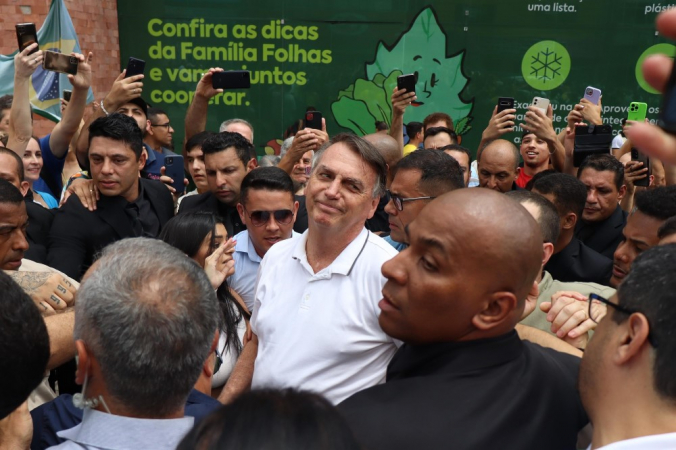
[165, 125]
[260, 218]
[219, 361]
[596, 313]
[399, 201]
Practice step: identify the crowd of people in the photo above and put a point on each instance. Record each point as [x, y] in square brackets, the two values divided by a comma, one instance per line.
[387, 291]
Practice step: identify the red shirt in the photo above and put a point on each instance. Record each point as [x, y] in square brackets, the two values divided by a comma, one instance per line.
[523, 179]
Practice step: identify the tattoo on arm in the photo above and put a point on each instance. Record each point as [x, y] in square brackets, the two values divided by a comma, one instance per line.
[30, 281]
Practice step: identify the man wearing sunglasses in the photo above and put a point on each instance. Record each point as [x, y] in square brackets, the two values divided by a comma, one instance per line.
[418, 178]
[268, 209]
[627, 373]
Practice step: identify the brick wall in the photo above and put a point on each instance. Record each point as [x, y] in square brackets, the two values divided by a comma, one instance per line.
[95, 22]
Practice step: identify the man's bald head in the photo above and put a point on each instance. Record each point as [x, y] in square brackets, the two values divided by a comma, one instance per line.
[433, 296]
[498, 165]
[389, 149]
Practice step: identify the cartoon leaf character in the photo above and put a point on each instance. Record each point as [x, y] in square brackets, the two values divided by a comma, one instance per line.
[422, 51]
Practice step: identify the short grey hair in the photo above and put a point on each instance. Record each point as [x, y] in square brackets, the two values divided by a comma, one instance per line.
[286, 145]
[269, 161]
[148, 314]
[228, 122]
[366, 151]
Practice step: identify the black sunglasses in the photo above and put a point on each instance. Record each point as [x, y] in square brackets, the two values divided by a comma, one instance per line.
[260, 218]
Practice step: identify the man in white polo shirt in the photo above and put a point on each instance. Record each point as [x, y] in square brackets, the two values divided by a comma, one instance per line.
[268, 209]
[315, 317]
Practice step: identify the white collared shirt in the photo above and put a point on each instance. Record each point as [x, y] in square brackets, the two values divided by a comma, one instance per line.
[247, 262]
[654, 442]
[99, 430]
[320, 331]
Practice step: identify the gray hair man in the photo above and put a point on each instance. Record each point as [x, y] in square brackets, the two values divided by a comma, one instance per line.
[145, 322]
[321, 330]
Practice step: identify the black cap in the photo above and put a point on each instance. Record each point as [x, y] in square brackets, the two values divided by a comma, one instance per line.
[138, 101]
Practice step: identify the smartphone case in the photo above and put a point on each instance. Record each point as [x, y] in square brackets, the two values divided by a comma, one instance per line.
[406, 82]
[638, 156]
[135, 67]
[26, 34]
[231, 79]
[59, 62]
[541, 103]
[591, 140]
[174, 169]
[505, 103]
[313, 119]
[592, 94]
[637, 111]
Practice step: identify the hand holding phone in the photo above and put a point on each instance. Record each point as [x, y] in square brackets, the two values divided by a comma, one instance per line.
[135, 66]
[505, 103]
[640, 157]
[541, 103]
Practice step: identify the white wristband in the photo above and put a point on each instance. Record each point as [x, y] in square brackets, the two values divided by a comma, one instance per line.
[104, 109]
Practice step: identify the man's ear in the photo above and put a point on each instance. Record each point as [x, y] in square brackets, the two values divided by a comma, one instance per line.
[633, 340]
[83, 362]
[547, 252]
[499, 307]
[251, 165]
[24, 188]
[569, 221]
[210, 364]
[296, 205]
[149, 128]
[240, 210]
[621, 192]
[142, 160]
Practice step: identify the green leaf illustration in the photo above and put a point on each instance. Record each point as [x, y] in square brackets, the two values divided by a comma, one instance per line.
[421, 50]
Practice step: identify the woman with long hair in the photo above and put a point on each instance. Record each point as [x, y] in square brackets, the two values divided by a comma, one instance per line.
[32, 165]
[202, 237]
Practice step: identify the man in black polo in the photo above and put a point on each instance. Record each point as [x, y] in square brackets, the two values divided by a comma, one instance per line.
[227, 157]
[463, 378]
[129, 206]
[603, 219]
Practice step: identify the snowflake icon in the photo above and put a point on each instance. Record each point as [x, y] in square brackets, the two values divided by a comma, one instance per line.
[546, 65]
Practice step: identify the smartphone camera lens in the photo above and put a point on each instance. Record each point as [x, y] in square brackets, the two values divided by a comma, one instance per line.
[310, 116]
[169, 160]
[73, 60]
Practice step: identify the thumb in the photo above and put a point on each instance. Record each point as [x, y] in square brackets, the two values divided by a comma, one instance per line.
[163, 170]
[545, 306]
[324, 125]
[495, 111]
[120, 77]
[90, 57]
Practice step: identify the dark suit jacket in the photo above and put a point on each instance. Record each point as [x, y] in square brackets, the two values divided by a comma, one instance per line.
[39, 223]
[482, 394]
[380, 220]
[577, 262]
[78, 234]
[209, 203]
[604, 237]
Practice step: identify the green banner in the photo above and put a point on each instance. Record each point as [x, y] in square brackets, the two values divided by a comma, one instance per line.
[343, 58]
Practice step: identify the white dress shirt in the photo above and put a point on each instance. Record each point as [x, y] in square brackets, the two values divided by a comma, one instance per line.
[653, 442]
[320, 331]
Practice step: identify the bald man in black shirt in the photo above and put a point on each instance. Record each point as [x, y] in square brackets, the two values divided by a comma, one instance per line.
[464, 379]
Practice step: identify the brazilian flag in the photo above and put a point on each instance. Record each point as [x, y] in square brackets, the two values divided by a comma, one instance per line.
[57, 35]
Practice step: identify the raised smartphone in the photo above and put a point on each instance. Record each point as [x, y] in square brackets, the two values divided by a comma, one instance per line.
[231, 79]
[174, 169]
[541, 103]
[638, 156]
[67, 94]
[406, 82]
[505, 103]
[313, 119]
[26, 35]
[592, 94]
[58, 62]
[637, 111]
[135, 66]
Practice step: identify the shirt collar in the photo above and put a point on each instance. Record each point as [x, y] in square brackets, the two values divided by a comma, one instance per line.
[102, 430]
[245, 245]
[545, 282]
[343, 264]
[151, 154]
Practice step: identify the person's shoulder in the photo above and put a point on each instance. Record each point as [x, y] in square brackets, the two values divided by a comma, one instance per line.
[195, 202]
[73, 206]
[379, 247]
[582, 287]
[552, 361]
